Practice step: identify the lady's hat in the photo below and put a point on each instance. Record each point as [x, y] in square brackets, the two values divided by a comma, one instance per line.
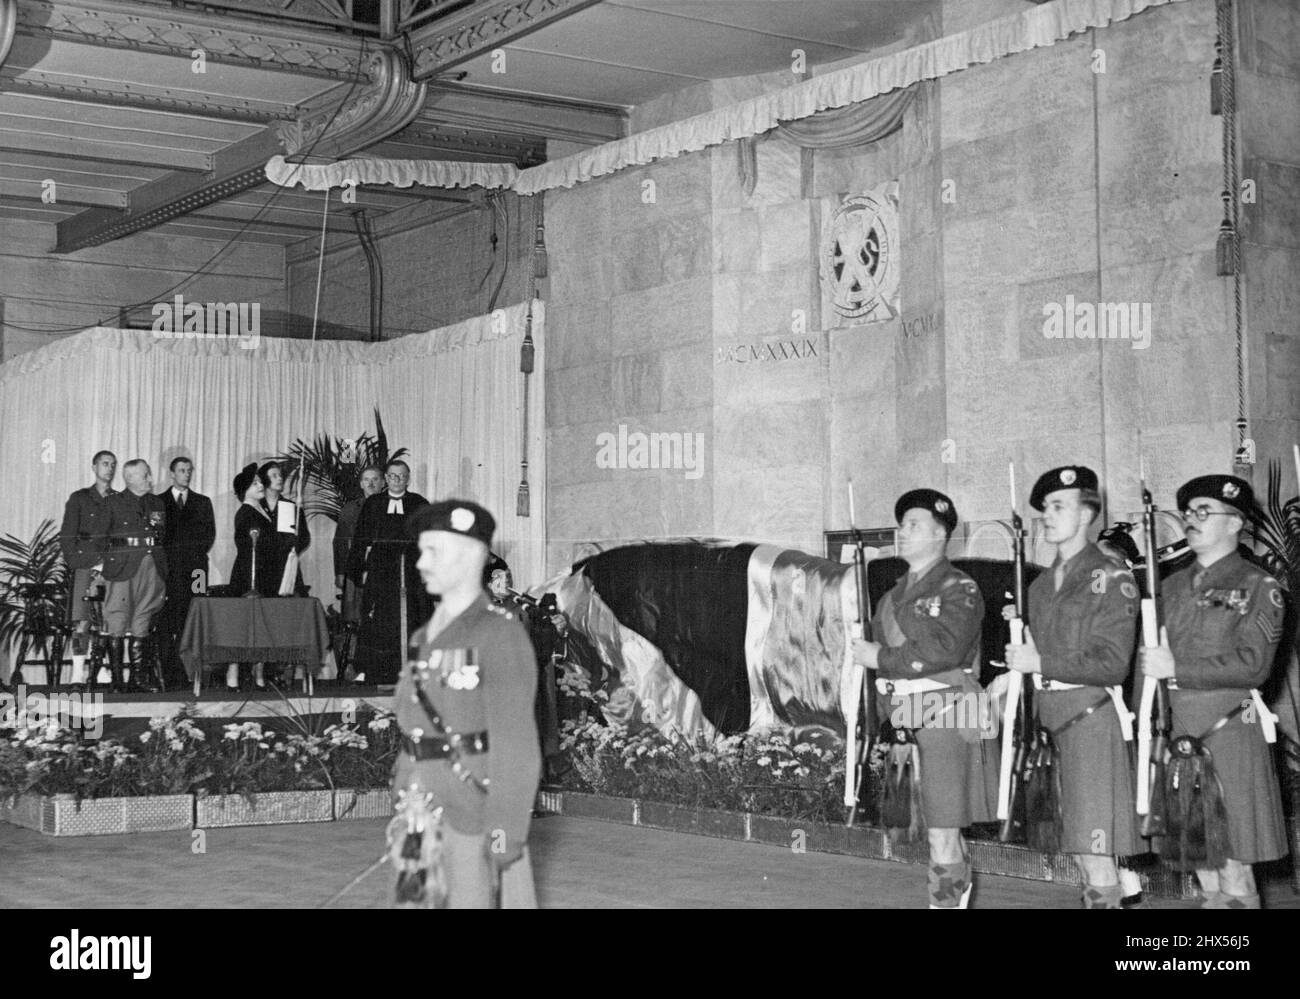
[245, 479]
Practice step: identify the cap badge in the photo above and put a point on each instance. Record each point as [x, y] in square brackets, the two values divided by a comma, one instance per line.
[1231, 490]
[462, 519]
[941, 506]
[1067, 477]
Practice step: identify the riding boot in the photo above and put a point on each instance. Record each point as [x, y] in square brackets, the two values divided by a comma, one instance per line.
[114, 646]
[141, 680]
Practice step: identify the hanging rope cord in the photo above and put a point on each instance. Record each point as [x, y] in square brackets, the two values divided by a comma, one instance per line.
[1231, 185]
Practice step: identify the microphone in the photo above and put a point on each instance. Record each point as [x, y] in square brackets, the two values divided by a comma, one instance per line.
[253, 534]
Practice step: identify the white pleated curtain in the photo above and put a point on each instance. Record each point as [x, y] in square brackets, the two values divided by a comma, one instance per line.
[454, 397]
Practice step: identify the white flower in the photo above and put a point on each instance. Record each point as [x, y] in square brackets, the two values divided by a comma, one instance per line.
[176, 744]
[765, 761]
[146, 736]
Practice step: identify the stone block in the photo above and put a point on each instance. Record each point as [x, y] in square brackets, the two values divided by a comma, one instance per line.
[1166, 46]
[727, 293]
[768, 301]
[581, 512]
[1266, 37]
[787, 238]
[571, 453]
[1275, 219]
[861, 359]
[637, 383]
[735, 241]
[579, 394]
[861, 168]
[663, 316]
[1051, 237]
[1272, 292]
[1269, 121]
[781, 505]
[577, 332]
[780, 173]
[771, 435]
[687, 378]
[772, 370]
[1010, 93]
[1027, 166]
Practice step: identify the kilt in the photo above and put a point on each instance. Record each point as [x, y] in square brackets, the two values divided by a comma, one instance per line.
[959, 770]
[77, 609]
[1244, 764]
[1098, 799]
[470, 876]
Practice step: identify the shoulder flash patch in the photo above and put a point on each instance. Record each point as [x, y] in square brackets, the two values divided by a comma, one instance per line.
[1275, 596]
[1128, 589]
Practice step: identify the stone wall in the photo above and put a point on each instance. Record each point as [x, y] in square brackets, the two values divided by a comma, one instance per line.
[433, 271]
[61, 294]
[1268, 84]
[1088, 171]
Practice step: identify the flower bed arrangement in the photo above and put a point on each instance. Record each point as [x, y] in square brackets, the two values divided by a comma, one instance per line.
[186, 771]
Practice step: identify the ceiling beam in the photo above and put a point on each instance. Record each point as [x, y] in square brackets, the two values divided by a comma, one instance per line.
[172, 31]
[114, 93]
[488, 24]
[64, 194]
[24, 140]
[490, 110]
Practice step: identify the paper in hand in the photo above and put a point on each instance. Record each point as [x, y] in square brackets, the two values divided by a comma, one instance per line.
[284, 517]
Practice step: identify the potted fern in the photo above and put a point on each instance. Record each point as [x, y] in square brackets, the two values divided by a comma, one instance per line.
[33, 594]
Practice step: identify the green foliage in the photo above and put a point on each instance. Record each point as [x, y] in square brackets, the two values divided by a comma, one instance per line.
[33, 585]
[333, 467]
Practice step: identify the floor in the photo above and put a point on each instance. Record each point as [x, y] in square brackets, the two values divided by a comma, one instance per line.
[580, 863]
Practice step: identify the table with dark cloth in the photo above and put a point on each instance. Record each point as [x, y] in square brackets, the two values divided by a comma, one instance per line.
[220, 630]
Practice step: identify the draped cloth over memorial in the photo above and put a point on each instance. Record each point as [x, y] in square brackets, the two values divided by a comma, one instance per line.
[1036, 27]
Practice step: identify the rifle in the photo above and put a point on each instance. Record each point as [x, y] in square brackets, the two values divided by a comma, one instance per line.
[1018, 729]
[859, 737]
[1153, 747]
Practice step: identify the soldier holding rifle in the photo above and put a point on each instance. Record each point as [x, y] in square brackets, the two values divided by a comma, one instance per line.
[1222, 624]
[929, 631]
[1084, 618]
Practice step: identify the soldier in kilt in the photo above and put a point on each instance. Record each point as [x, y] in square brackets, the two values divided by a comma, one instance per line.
[928, 628]
[1083, 615]
[1223, 620]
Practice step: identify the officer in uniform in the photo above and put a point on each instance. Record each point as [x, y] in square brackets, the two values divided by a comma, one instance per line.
[135, 566]
[1083, 615]
[928, 631]
[83, 538]
[1222, 624]
[464, 703]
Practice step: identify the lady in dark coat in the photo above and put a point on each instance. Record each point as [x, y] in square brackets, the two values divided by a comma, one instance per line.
[250, 552]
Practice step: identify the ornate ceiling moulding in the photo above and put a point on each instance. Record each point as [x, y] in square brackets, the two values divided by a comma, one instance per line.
[175, 32]
[489, 24]
[8, 20]
[386, 105]
[127, 95]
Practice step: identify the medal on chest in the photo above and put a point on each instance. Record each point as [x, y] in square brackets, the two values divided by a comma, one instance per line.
[454, 669]
[1234, 600]
[928, 606]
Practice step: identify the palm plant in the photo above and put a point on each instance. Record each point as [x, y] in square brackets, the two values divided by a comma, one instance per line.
[33, 588]
[333, 467]
[1278, 531]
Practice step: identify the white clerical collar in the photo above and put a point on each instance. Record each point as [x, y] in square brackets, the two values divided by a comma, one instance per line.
[395, 505]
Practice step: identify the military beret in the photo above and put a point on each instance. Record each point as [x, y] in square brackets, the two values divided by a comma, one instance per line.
[927, 499]
[245, 479]
[1065, 477]
[454, 516]
[1228, 489]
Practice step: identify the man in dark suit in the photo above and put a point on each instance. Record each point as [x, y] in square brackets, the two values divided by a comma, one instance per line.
[190, 532]
[135, 566]
[381, 550]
